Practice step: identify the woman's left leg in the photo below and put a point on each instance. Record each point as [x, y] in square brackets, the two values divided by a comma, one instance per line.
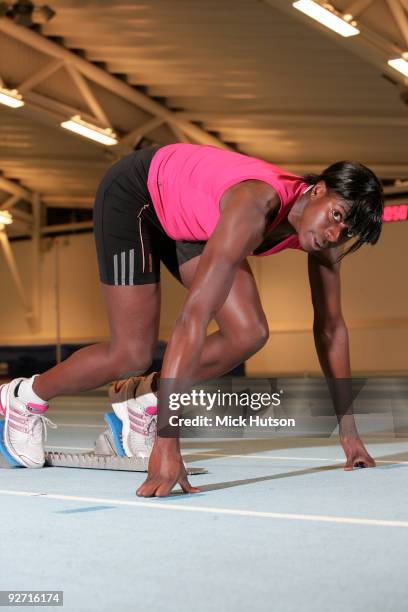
[243, 327]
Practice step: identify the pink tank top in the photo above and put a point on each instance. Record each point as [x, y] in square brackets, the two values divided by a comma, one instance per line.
[186, 183]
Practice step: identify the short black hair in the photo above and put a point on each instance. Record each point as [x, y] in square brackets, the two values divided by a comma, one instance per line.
[358, 186]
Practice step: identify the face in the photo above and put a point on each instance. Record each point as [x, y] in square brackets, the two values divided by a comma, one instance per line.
[322, 223]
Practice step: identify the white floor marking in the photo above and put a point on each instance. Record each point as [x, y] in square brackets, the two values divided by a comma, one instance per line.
[156, 505]
[205, 454]
[287, 458]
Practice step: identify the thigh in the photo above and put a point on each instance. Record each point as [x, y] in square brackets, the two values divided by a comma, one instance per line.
[134, 315]
[242, 310]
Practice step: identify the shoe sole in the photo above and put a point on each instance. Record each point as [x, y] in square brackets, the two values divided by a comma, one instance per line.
[120, 409]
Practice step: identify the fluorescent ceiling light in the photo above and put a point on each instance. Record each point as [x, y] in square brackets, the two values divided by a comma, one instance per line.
[11, 97]
[77, 125]
[399, 64]
[5, 218]
[327, 16]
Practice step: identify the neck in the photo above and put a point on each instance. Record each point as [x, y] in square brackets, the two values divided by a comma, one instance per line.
[296, 212]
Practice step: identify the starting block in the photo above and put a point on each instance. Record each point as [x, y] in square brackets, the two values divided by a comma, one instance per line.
[108, 453]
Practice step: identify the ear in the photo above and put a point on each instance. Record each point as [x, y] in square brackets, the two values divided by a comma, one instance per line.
[319, 189]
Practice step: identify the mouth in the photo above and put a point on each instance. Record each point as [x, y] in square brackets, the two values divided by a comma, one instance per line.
[320, 245]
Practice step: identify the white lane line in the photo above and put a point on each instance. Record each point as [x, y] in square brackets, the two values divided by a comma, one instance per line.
[287, 458]
[249, 456]
[156, 505]
[275, 457]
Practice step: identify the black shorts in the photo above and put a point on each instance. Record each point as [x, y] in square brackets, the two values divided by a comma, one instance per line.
[130, 240]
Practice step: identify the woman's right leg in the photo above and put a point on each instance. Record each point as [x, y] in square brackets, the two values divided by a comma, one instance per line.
[125, 229]
[134, 314]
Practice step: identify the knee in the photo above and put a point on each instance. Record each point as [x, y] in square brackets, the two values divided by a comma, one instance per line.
[260, 336]
[131, 361]
[252, 337]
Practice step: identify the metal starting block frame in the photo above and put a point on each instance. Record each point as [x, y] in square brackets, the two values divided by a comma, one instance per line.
[107, 455]
[94, 462]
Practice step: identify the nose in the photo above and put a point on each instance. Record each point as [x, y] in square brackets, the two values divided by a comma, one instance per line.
[333, 232]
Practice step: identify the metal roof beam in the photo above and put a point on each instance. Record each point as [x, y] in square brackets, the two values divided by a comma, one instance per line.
[179, 134]
[106, 80]
[40, 76]
[53, 163]
[15, 189]
[19, 192]
[66, 227]
[23, 216]
[370, 45]
[55, 108]
[88, 95]
[10, 202]
[400, 17]
[305, 119]
[11, 262]
[134, 137]
[358, 7]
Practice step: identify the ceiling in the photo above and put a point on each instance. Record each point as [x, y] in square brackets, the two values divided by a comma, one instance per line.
[253, 75]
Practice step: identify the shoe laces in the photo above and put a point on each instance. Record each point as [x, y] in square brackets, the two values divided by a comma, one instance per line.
[37, 426]
[148, 429]
[151, 430]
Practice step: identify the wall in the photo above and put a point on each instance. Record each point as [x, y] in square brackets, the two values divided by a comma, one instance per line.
[375, 303]
[375, 306]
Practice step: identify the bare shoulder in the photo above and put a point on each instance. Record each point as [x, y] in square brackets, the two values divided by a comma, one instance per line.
[252, 191]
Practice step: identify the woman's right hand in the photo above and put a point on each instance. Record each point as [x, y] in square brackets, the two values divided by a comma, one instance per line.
[166, 469]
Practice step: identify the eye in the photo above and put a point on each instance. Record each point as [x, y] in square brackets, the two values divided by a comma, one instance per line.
[350, 234]
[337, 216]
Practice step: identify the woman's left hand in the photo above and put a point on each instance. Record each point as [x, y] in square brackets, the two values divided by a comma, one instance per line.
[356, 454]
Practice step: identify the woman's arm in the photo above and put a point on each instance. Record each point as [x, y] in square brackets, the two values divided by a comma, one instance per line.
[332, 346]
[240, 229]
[329, 328]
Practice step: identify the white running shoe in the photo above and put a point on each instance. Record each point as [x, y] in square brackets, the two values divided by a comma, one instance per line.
[135, 404]
[25, 426]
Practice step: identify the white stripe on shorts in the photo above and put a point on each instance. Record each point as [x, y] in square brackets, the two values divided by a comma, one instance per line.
[115, 270]
[123, 267]
[131, 265]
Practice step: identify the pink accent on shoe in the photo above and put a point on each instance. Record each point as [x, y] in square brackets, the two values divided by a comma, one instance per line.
[138, 427]
[37, 408]
[134, 414]
[15, 425]
[151, 410]
[17, 417]
[138, 430]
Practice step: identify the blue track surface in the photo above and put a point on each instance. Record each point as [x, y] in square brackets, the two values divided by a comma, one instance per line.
[279, 525]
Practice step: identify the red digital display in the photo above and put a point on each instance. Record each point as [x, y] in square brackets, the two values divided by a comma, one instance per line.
[395, 213]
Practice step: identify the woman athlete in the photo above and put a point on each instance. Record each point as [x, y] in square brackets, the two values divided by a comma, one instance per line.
[202, 211]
